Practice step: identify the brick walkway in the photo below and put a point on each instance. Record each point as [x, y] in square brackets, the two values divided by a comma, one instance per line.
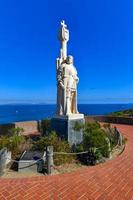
[112, 180]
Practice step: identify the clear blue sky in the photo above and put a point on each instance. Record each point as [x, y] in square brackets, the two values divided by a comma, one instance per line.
[101, 41]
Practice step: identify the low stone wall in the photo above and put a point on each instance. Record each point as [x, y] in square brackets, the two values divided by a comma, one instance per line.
[29, 127]
[110, 119]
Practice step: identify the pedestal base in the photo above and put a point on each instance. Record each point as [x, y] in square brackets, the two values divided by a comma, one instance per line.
[64, 127]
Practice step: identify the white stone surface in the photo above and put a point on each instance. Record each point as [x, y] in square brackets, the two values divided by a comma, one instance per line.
[70, 116]
[67, 79]
[9, 156]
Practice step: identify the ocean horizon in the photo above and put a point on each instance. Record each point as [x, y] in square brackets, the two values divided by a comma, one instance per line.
[10, 113]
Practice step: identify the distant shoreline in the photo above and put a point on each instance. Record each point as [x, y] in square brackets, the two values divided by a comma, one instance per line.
[29, 112]
[12, 104]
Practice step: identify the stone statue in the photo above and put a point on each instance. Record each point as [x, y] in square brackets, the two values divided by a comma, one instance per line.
[67, 78]
[67, 115]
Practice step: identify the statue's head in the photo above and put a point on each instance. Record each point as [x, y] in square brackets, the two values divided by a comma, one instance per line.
[69, 59]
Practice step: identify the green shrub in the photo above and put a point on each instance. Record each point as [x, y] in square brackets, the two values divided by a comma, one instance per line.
[4, 142]
[96, 138]
[59, 146]
[15, 142]
[95, 141]
[90, 126]
[16, 131]
[12, 143]
[79, 147]
[44, 126]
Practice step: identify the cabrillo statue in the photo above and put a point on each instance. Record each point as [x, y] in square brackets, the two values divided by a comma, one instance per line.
[66, 111]
[67, 78]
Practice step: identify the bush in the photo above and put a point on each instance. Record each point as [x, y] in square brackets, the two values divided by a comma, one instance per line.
[95, 141]
[96, 138]
[45, 126]
[4, 142]
[16, 131]
[15, 142]
[59, 146]
[90, 126]
[12, 143]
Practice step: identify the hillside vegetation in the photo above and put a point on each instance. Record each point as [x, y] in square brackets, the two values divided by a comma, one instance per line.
[124, 113]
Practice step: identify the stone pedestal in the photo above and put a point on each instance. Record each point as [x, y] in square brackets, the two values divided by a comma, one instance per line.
[64, 127]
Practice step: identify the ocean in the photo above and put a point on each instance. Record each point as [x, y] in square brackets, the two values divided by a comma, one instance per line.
[15, 113]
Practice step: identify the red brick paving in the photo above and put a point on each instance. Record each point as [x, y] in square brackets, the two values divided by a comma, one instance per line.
[112, 180]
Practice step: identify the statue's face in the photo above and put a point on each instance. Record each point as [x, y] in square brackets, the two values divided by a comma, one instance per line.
[69, 59]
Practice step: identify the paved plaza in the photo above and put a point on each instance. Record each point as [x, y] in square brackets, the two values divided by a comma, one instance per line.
[112, 180]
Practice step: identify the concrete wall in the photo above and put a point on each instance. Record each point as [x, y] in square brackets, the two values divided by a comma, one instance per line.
[29, 127]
